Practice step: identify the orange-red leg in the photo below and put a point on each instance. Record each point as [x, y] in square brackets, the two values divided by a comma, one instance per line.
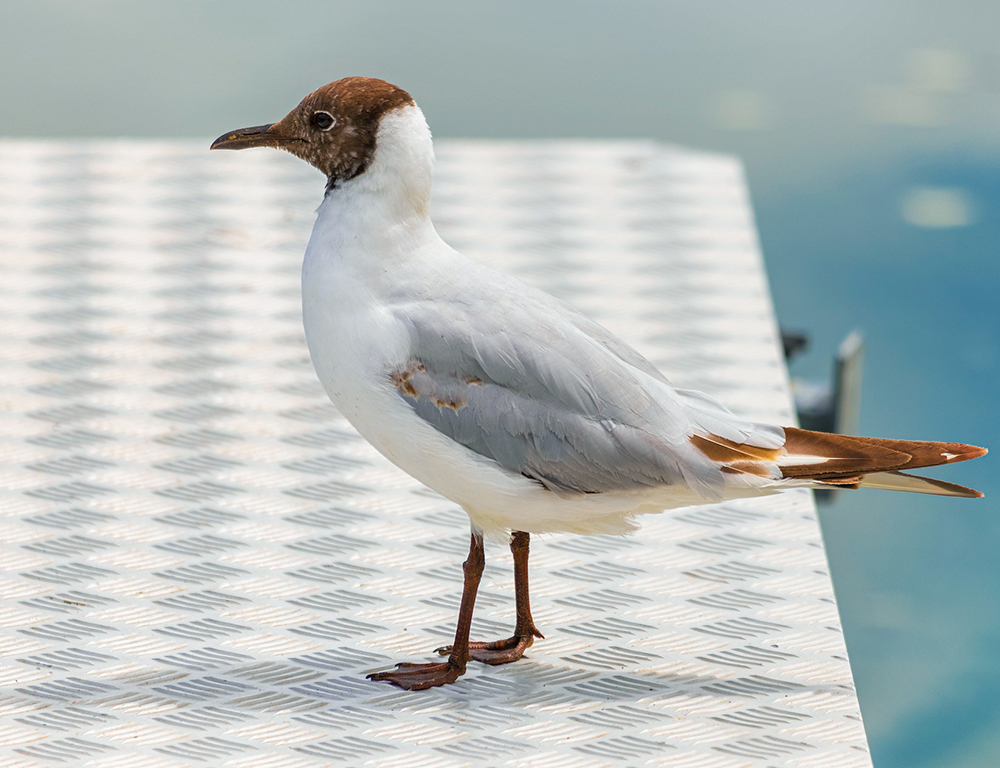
[415, 677]
[525, 631]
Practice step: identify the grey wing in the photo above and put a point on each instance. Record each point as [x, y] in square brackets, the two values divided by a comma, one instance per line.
[540, 396]
[708, 414]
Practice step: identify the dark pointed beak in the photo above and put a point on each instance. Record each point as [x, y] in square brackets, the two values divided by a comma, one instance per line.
[257, 136]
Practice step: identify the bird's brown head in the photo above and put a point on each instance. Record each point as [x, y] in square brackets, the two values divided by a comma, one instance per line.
[334, 128]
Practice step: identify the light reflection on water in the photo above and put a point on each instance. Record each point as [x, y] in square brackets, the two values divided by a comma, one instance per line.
[871, 131]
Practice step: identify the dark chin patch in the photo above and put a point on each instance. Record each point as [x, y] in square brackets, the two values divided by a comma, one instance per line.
[335, 180]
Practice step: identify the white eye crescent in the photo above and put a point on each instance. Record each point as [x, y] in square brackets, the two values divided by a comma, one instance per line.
[323, 120]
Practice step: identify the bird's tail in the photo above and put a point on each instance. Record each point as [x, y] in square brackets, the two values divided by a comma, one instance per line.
[822, 459]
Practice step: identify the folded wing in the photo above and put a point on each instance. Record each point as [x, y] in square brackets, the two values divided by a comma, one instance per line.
[538, 394]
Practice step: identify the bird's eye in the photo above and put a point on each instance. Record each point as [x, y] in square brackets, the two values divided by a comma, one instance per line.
[323, 120]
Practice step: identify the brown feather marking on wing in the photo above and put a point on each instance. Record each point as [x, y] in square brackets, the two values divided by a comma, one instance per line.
[402, 379]
[716, 451]
[724, 451]
[747, 468]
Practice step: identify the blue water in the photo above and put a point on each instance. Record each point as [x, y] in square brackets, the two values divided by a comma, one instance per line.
[871, 133]
[916, 577]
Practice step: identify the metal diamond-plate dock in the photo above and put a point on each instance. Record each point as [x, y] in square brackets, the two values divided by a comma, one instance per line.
[201, 559]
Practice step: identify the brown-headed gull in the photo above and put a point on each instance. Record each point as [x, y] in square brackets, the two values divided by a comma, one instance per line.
[498, 396]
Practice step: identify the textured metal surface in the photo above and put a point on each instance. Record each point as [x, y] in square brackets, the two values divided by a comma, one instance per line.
[202, 559]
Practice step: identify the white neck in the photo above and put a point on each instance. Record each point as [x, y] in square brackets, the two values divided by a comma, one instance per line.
[387, 206]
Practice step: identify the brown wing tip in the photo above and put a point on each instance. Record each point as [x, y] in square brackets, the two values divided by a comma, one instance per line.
[956, 452]
[925, 453]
